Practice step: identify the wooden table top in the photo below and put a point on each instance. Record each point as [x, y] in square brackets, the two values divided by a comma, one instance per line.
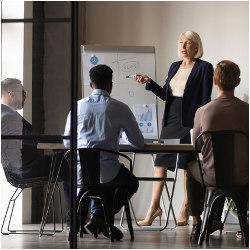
[148, 147]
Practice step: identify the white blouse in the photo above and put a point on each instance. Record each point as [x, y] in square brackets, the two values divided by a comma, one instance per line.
[178, 82]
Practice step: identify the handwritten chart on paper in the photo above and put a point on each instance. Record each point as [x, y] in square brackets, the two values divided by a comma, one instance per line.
[146, 118]
[124, 61]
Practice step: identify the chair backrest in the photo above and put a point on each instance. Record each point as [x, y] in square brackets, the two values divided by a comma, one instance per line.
[9, 177]
[18, 181]
[90, 165]
[230, 155]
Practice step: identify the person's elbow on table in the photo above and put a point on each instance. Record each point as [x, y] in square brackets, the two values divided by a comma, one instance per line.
[139, 143]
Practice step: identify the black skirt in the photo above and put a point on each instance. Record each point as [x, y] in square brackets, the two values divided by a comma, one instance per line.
[174, 130]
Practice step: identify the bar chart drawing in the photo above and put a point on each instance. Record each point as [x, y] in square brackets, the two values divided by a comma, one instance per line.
[146, 117]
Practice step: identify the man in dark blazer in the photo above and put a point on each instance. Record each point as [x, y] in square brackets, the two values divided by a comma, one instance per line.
[21, 157]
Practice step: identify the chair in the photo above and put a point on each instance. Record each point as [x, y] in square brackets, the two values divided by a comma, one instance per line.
[92, 188]
[20, 185]
[169, 195]
[223, 145]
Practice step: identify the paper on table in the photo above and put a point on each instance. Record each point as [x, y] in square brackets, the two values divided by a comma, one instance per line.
[145, 115]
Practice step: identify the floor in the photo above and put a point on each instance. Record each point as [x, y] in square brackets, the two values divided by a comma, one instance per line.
[167, 239]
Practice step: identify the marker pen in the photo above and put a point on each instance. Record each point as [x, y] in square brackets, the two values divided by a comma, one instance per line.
[131, 76]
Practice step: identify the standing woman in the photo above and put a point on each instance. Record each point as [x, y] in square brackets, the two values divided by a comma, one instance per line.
[187, 87]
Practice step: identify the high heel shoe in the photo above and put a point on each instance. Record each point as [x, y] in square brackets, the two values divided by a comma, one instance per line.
[183, 221]
[217, 225]
[149, 221]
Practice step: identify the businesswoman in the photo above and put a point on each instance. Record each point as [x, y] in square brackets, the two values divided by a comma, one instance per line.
[187, 87]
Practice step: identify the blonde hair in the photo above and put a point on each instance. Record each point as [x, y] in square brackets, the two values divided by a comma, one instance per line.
[196, 39]
[227, 75]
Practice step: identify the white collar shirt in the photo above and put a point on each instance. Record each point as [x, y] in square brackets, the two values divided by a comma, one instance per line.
[100, 122]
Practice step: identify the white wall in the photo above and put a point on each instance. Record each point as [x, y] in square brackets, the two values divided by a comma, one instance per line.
[12, 66]
[223, 27]
[17, 63]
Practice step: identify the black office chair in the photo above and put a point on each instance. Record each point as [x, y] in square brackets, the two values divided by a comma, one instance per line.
[224, 144]
[20, 185]
[90, 164]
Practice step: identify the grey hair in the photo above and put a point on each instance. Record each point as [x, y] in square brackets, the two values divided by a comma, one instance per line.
[9, 84]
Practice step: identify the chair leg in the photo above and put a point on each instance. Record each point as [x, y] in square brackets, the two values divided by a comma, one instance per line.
[61, 213]
[69, 236]
[205, 217]
[111, 232]
[10, 201]
[209, 221]
[13, 201]
[5, 219]
[211, 196]
[108, 207]
[109, 219]
[11, 213]
[84, 206]
[129, 221]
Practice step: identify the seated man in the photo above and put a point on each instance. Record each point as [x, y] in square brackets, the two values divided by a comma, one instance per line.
[226, 112]
[100, 122]
[21, 156]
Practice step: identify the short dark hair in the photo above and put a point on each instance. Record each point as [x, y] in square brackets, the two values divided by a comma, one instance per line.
[227, 75]
[101, 76]
[9, 84]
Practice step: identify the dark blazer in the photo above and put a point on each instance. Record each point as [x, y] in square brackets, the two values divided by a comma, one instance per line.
[20, 155]
[197, 91]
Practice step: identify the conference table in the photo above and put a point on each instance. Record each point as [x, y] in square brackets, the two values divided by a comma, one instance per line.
[153, 148]
[149, 148]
